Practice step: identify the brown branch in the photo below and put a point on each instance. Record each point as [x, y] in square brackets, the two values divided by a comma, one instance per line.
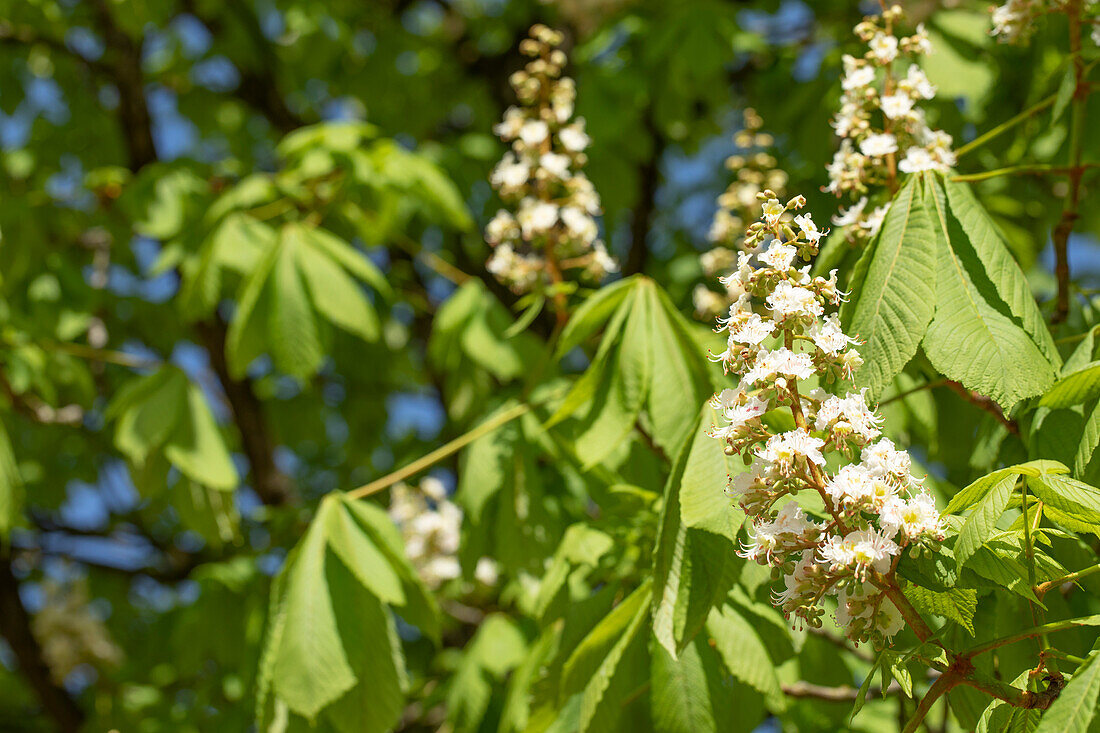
[841, 643]
[986, 403]
[649, 178]
[272, 485]
[24, 35]
[15, 626]
[1064, 228]
[259, 86]
[125, 68]
[30, 406]
[843, 693]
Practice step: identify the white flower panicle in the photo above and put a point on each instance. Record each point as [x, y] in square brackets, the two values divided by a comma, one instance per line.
[755, 170]
[430, 525]
[1015, 21]
[548, 224]
[882, 128]
[872, 507]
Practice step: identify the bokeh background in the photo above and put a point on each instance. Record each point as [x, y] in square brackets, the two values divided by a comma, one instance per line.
[122, 120]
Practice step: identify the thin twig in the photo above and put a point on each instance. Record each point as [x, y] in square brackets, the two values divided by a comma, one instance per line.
[442, 452]
[1005, 126]
[985, 403]
[841, 693]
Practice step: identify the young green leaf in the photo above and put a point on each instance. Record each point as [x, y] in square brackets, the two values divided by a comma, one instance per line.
[893, 304]
[1074, 388]
[982, 522]
[976, 337]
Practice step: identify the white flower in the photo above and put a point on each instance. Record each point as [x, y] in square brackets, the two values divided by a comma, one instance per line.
[878, 144]
[790, 300]
[851, 485]
[751, 329]
[784, 449]
[857, 77]
[896, 105]
[851, 215]
[536, 217]
[828, 336]
[556, 164]
[917, 160]
[862, 550]
[579, 224]
[502, 226]
[913, 518]
[916, 80]
[510, 126]
[778, 255]
[533, 132]
[602, 259]
[763, 541]
[781, 361]
[882, 458]
[884, 48]
[510, 173]
[888, 620]
[746, 482]
[797, 582]
[487, 572]
[809, 228]
[874, 220]
[773, 210]
[573, 137]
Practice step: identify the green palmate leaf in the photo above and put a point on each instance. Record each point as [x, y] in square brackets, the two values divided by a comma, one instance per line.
[590, 653]
[703, 502]
[497, 647]
[332, 651]
[349, 258]
[291, 326]
[1090, 439]
[148, 409]
[613, 411]
[982, 522]
[956, 604]
[212, 514]
[362, 557]
[893, 301]
[310, 669]
[335, 295]
[999, 266]
[1069, 498]
[1074, 388]
[581, 547]
[975, 491]
[245, 338]
[647, 361]
[11, 487]
[688, 693]
[594, 671]
[1004, 569]
[680, 382]
[692, 569]
[744, 654]
[237, 243]
[196, 447]
[593, 313]
[429, 186]
[986, 332]
[865, 686]
[1076, 706]
[419, 607]
[164, 411]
